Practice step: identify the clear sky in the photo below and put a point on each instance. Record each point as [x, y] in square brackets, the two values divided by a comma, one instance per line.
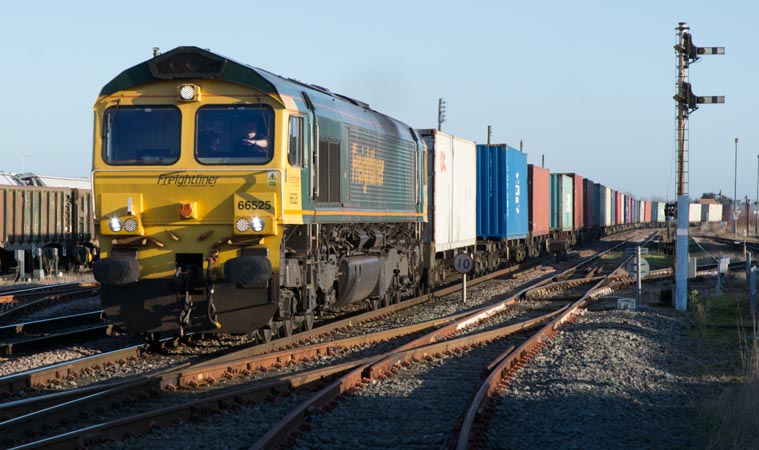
[587, 84]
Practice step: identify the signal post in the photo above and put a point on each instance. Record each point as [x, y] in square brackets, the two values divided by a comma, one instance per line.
[687, 102]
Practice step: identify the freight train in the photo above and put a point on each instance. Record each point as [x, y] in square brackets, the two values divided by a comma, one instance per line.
[46, 223]
[231, 199]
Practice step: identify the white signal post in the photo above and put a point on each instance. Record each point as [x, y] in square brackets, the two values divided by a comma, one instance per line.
[463, 264]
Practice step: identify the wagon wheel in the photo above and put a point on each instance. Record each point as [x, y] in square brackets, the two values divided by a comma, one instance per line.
[286, 329]
[308, 320]
[373, 304]
[263, 335]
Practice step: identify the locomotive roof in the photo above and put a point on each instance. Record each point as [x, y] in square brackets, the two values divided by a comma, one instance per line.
[193, 62]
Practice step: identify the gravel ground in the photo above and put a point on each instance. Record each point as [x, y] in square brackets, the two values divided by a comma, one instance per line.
[612, 380]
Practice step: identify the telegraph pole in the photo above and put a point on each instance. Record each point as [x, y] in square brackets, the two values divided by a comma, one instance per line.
[687, 102]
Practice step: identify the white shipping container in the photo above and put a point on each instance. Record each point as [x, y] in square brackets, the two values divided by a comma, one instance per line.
[607, 202]
[694, 212]
[714, 213]
[454, 198]
[642, 214]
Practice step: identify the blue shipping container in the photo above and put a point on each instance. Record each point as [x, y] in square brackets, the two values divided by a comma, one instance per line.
[502, 199]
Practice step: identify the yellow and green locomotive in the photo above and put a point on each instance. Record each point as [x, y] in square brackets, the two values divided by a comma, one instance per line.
[229, 198]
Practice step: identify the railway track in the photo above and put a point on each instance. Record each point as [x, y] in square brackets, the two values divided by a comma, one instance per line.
[448, 385]
[244, 364]
[38, 334]
[279, 353]
[19, 303]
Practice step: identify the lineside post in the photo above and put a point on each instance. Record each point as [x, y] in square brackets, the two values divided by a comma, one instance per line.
[687, 102]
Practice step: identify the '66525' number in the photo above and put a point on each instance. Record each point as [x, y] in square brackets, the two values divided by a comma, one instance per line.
[254, 204]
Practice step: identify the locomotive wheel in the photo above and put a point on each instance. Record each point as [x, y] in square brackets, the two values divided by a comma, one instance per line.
[286, 329]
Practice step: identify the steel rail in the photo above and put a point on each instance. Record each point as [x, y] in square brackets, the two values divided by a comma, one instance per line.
[36, 342]
[13, 311]
[44, 325]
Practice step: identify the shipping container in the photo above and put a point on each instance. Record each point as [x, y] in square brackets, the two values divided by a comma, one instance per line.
[634, 210]
[660, 214]
[647, 213]
[589, 204]
[539, 181]
[631, 209]
[597, 212]
[620, 208]
[694, 212]
[555, 212]
[625, 209]
[34, 217]
[711, 212]
[578, 222]
[607, 206]
[640, 211]
[502, 196]
[452, 185]
[562, 199]
[615, 202]
[604, 205]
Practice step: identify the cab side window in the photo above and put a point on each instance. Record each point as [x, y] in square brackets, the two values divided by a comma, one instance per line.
[295, 150]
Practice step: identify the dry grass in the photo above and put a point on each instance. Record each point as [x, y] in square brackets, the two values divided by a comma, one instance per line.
[731, 419]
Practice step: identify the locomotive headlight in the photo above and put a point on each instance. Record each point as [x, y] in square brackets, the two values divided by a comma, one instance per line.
[242, 225]
[257, 224]
[189, 92]
[115, 224]
[130, 225]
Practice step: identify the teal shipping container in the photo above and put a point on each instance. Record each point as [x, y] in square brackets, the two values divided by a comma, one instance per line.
[562, 202]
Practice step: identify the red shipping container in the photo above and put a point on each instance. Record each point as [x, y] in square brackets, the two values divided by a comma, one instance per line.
[647, 215]
[579, 210]
[620, 208]
[539, 180]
